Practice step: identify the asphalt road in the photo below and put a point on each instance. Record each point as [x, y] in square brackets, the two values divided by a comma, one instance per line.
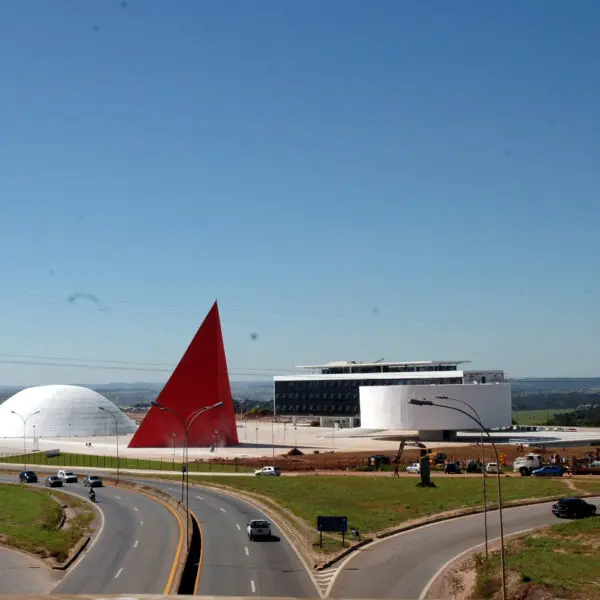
[232, 565]
[133, 553]
[403, 565]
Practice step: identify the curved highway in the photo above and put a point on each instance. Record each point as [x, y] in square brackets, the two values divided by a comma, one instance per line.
[134, 551]
[231, 564]
[403, 565]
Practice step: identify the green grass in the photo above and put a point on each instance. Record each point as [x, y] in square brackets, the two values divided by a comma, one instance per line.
[375, 504]
[564, 558]
[589, 485]
[29, 519]
[110, 462]
[537, 416]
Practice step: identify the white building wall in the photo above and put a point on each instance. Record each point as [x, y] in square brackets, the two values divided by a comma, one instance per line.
[387, 407]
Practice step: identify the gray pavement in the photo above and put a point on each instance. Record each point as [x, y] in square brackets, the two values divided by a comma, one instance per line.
[134, 552]
[232, 565]
[403, 565]
[24, 574]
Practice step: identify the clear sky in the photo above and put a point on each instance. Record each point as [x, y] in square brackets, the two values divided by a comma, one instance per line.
[351, 180]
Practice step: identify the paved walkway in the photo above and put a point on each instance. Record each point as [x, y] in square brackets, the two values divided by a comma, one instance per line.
[24, 574]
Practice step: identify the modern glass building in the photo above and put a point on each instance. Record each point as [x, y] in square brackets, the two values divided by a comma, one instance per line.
[332, 389]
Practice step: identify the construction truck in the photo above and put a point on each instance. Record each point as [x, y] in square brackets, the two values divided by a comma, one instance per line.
[527, 464]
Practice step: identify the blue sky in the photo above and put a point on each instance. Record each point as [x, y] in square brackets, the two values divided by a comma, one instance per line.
[351, 180]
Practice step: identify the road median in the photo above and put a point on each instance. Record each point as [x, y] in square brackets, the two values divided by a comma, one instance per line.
[301, 536]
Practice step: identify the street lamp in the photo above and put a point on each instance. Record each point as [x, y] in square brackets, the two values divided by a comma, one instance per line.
[485, 522]
[116, 419]
[486, 431]
[25, 419]
[185, 476]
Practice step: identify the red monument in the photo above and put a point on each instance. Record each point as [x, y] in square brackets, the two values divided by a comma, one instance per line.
[200, 379]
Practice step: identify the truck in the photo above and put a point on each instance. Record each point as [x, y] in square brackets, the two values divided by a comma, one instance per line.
[527, 464]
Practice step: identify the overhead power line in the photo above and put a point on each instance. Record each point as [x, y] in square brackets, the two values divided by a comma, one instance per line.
[158, 366]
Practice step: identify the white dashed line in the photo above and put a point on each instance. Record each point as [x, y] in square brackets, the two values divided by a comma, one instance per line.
[253, 586]
[136, 543]
[247, 551]
[142, 523]
[199, 497]
[135, 508]
[118, 497]
[222, 509]
[118, 573]
[239, 528]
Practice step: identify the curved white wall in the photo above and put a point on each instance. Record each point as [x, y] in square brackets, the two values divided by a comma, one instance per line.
[59, 406]
[387, 406]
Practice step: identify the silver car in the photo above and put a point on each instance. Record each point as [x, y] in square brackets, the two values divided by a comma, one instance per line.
[258, 528]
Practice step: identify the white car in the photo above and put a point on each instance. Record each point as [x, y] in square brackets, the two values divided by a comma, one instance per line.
[67, 476]
[415, 468]
[492, 468]
[268, 471]
[258, 528]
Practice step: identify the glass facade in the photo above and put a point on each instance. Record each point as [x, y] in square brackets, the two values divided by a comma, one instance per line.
[333, 397]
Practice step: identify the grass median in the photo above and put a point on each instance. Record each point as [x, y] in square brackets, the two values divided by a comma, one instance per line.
[373, 504]
[110, 462]
[31, 519]
[558, 561]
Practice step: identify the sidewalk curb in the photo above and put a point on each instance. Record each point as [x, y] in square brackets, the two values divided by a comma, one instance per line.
[79, 548]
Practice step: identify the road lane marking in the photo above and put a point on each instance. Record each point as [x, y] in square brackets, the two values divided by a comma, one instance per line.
[136, 543]
[458, 556]
[253, 586]
[238, 526]
[135, 508]
[247, 551]
[142, 523]
[118, 573]
[118, 497]
[200, 497]
[223, 509]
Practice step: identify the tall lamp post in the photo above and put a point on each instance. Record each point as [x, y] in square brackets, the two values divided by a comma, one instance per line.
[485, 504]
[25, 419]
[187, 425]
[116, 419]
[486, 431]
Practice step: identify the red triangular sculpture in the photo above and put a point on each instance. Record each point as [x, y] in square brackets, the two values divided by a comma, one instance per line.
[200, 379]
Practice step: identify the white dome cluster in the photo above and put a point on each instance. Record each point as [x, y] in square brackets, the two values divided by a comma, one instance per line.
[61, 411]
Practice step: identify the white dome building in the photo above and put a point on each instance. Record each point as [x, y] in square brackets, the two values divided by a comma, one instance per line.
[61, 411]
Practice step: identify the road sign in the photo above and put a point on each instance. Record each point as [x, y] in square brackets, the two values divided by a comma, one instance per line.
[337, 524]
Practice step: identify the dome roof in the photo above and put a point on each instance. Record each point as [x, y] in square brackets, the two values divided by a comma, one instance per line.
[64, 410]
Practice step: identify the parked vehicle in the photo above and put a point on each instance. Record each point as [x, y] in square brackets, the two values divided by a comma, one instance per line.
[67, 476]
[452, 469]
[474, 466]
[527, 464]
[573, 508]
[492, 468]
[268, 471]
[258, 528]
[92, 481]
[53, 481]
[415, 468]
[549, 471]
[28, 477]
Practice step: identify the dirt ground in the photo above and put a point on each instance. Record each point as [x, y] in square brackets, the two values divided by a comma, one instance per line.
[333, 461]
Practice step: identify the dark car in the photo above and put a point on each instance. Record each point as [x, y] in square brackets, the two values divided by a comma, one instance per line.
[28, 477]
[573, 508]
[452, 469]
[549, 471]
[53, 481]
[92, 481]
